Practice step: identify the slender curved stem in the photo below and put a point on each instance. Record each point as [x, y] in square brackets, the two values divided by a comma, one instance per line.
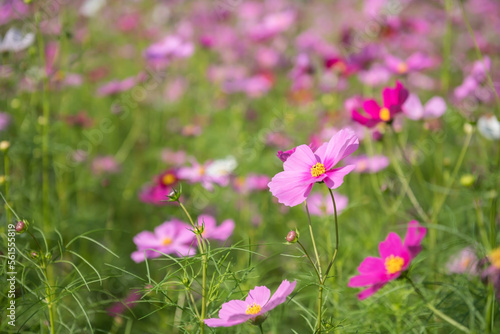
[309, 258]
[314, 242]
[336, 236]
[436, 311]
[203, 249]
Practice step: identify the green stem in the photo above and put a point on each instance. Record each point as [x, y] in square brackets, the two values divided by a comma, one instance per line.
[490, 309]
[404, 181]
[261, 330]
[203, 248]
[435, 310]
[336, 236]
[445, 71]
[320, 276]
[7, 181]
[310, 260]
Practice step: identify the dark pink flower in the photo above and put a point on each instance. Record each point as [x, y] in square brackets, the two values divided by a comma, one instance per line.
[4, 120]
[253, 308]
[395, 258]
[171, 237]
[158, 192]
[393, 101]
[304, 168]
[117, 86]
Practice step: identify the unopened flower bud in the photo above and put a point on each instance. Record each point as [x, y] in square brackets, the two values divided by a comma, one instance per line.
[21, 226]
[468, 128]
[467, 180]
[292, 237]
[4, 145]
[34, 255]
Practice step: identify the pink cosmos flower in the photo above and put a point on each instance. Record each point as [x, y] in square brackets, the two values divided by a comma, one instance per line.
[212, 231]
[322, 205]
[163, 186]
[393, 101]
[367, 164]
[252, 182]
[121, 306]
[171, 237]
[12, 9]
[304, 168]
[416, 62]
[117, 86]
[465, 262]
[253, 308]
[415, 110]
[395, 258]
[4, 120]
[174, 158]
[105, 164]
[212, 172]
[169, 48]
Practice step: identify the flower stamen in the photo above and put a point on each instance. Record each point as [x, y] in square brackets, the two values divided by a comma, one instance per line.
[166, 241]
[253, 308]
[318, 169]
[385, 114]
[394, 264]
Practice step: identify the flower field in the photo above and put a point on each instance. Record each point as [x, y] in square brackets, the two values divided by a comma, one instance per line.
[233, 166]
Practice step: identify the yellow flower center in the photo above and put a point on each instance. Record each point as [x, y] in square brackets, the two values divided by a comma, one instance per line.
[495, 258]
[393, 264]
[168, 179]
[253, 309]
[385, 114]
[318, 169]
[201, 170]
[402, 68]
[166, 241]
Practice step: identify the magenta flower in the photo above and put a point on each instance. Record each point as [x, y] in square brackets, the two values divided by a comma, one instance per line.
[304, 168]
[322, 205]
[395, 258]
[284, 155]
[253, 308]
[171, 237]
[117, 86]
[212, 231]
[158, 192]
[393, 101]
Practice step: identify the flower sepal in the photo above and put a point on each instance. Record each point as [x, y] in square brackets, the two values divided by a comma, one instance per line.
[259, 320]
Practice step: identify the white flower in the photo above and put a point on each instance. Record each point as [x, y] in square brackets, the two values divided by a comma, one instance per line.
[15, 41]
[222, 167]
[91, 7]
[489, 127]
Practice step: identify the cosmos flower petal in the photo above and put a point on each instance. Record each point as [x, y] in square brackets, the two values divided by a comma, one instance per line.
[435, 107]
[279, 297]
[370, 291]
[300, 160]
[414, 237]
[231, 308]
[371, 265]
[291, 187]
[365, 280]
[258, 295]
[335, 177]
[392, 245]
[342, 144]
[215, 322]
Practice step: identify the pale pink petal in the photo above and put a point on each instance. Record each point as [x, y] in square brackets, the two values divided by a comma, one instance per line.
[300, 160]
[342, 144]
[214, 322]
[258, 295]
[413, 108]
[231, 308]
[291, 187]
[335, 177]
[279, 297]
[435, 107]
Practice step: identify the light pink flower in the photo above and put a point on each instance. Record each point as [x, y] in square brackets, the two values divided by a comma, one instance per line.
[212, 231]
[253, 308]
[171, 237]
[367, 164]
[304, 168]
[105, 164]
[464, 262]
[322, 205]
[252, 182]
[415, 110]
